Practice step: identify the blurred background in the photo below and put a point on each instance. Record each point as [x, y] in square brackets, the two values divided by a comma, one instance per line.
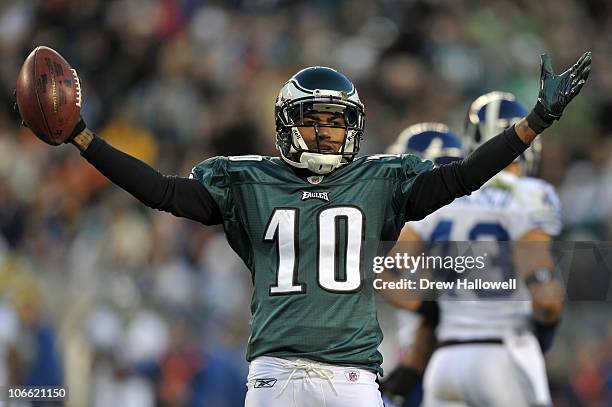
[132, 307]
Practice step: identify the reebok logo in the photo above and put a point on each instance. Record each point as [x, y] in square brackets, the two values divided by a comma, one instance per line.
[324, 196]
[261, 383]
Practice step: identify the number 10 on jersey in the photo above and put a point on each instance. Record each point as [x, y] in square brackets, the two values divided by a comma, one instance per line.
[283, 227]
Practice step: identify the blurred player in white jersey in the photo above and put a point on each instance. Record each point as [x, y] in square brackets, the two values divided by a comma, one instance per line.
[403, 386]
[490, 344]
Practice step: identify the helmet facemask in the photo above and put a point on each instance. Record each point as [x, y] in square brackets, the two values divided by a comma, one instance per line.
[315, 158]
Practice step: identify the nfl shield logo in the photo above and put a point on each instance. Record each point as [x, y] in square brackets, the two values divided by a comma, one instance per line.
[314, 180]
[352, 375]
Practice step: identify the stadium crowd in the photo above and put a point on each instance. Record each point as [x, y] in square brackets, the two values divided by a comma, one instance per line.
[131, 307]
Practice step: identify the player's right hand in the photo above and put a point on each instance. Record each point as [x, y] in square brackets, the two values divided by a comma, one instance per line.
[16, 108]
[78, 128]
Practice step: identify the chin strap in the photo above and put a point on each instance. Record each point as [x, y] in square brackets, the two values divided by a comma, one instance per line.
[321, 163]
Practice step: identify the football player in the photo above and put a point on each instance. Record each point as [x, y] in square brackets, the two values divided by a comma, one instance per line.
[404, 385]
[431, 141]
[299, 222]
[479, 330]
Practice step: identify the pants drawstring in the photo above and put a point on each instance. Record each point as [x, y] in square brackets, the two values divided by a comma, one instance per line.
[308, 368]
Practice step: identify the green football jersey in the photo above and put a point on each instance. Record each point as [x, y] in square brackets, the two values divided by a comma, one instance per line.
[303, 241]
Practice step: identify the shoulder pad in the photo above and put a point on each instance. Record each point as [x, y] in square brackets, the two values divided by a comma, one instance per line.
[540, 202]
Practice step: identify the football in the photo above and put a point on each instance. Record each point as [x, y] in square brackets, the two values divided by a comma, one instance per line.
[48, 94]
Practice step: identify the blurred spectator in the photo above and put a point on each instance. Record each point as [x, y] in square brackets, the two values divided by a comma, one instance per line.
[10, 366]
[40, 356]
[174, 82]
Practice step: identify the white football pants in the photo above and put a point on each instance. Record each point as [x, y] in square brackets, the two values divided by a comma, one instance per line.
[276, 382]
[491, 375]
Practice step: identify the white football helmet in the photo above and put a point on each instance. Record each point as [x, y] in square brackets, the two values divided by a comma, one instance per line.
[489, 115]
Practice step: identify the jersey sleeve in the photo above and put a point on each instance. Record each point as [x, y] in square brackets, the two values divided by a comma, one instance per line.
[541, 209]
[411, 166]
[183, 197]
[213, 175]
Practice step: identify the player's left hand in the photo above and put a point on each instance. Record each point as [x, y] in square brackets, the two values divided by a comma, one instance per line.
[557, 91]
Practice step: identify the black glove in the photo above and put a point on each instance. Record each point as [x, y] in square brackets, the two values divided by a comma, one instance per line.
[557, 91]
[79, 127]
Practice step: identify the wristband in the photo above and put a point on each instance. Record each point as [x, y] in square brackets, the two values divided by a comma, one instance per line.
[538, 119]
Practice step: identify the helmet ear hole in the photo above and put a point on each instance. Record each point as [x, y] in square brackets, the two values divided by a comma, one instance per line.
[350, 117]
[294, 115]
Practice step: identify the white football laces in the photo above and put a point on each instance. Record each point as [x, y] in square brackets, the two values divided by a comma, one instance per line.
[78, 87]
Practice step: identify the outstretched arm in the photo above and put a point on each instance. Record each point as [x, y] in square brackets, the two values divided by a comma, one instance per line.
[184, 197]
[433, 189]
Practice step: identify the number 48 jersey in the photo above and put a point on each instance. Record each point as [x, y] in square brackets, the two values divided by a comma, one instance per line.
[303, 241]
[504, 209]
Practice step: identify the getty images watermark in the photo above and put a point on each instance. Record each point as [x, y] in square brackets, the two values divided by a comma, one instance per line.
[461, 272]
